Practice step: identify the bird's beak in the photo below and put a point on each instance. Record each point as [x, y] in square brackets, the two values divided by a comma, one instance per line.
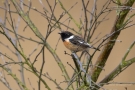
[59, 33]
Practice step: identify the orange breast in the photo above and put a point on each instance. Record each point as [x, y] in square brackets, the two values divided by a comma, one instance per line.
[72, 47]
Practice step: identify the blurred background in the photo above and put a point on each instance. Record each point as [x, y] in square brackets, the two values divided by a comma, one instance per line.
[127, 36]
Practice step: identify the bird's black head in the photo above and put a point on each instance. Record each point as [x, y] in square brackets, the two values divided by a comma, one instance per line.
[65, 34]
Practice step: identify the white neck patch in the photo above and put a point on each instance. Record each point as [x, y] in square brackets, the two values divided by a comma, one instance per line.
[67, 39]
[71, 37]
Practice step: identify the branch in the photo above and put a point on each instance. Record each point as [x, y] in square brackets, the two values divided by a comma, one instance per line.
[62, 6]
[122, 66]
[26, 18]
[15, 78]
[109, 46]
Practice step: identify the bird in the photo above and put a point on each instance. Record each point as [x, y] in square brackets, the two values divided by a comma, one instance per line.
[74, 43]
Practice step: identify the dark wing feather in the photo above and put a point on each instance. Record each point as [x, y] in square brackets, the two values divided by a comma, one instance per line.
[77, 41]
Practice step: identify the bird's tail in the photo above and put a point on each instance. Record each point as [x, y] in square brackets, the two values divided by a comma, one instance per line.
[94, 48]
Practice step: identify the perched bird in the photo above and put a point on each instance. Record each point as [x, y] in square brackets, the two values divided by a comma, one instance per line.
[74, 42]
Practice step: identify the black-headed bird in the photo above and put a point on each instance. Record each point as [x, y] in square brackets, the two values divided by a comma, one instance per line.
[74, 42]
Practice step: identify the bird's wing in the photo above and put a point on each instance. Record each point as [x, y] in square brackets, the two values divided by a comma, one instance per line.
[79, 41]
